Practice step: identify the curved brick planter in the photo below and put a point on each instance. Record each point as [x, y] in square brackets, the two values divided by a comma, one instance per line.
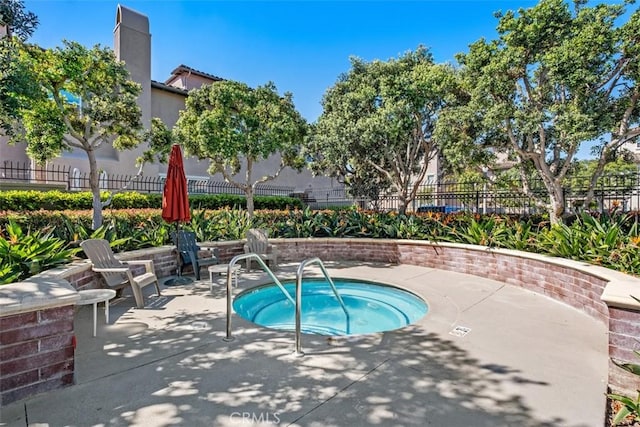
[36, 317]
[599, 292]
[36, 325]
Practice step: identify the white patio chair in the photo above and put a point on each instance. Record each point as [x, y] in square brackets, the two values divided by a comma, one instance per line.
[118, 273]
[258, 243]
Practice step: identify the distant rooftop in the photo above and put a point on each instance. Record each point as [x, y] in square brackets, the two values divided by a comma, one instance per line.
[168, 88]
[183, 69]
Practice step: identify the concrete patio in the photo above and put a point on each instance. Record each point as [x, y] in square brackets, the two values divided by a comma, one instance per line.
[527, 361]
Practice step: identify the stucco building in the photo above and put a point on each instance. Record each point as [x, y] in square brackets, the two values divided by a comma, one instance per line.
[132, 44]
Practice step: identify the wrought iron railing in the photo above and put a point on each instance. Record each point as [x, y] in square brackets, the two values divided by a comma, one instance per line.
[73, 180]
[620, 191]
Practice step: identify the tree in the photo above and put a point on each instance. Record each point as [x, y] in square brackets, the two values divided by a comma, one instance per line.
[553, 80]
[18, 22]
[233, 125]
[88, 101]
[16, 83]
[380, 117]
[367, 185]
[618, 180]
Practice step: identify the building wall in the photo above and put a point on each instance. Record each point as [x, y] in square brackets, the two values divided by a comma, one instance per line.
[132, 44]
[12, 153]
[166, 105]
[188, 81]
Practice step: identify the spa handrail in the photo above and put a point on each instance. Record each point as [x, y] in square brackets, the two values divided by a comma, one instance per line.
[267, 270]
[298, 305]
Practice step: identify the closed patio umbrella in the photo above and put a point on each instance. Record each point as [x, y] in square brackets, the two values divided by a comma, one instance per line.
[175, 202]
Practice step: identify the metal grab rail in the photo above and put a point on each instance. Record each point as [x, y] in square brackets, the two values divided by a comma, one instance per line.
[298, 303]
[267, 270]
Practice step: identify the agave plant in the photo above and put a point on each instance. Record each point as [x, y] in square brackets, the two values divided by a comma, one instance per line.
[490, 231]
[26, 254]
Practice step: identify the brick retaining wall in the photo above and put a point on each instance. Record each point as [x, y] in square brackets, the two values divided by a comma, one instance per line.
[577, 284]
[36, 340]
[36, 352]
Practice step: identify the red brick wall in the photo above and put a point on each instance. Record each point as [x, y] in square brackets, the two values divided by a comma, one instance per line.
[228, 251]
[348, 250]
[567, 285]
[165, 263]
[575, 288]
[581, 290]
[624, 333]
[36, 352]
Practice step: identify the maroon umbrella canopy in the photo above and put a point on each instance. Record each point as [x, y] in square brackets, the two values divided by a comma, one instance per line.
[175, 198]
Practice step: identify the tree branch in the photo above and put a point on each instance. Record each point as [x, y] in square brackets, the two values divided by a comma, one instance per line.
[266, 178]
[229, 180]
[56, 98]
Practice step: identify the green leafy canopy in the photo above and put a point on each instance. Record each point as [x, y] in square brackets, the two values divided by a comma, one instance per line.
[553, 80]
[83, 99]
[379, 119]
[235, 126]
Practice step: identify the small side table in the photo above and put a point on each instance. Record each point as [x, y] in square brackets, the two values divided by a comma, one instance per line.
[222, 269]
[94, 296]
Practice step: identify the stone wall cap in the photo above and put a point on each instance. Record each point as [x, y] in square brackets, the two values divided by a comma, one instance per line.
[38, 293]
[619, 293]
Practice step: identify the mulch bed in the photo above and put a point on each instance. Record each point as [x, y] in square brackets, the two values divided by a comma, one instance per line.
[612, 410]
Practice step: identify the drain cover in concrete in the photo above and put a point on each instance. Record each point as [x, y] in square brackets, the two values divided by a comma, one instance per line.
[193, 326]
[460, 331]
[200, 325]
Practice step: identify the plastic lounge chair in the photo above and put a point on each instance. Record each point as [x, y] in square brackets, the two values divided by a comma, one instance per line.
[258, 243]
[118, 273]
[189, 251]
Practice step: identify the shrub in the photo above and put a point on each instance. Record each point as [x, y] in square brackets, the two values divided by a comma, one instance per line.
[611, 241]
[18, 200]
[26, 254]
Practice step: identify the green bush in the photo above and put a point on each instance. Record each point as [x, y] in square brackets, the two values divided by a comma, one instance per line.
[221, 201]
[18, 200]
[133, 200]
[28, 201]
[612, 241]
[26, 254]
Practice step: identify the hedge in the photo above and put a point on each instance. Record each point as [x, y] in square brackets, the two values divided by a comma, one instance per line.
[55, 200]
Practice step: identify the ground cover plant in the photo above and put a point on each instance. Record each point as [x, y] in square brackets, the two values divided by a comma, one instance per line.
[611, 240]
[25, 253]
[629, 410]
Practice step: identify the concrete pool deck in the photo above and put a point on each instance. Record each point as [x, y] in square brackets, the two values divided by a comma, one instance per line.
[526, 360]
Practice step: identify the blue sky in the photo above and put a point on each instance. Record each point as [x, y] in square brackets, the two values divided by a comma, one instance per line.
[302, 46]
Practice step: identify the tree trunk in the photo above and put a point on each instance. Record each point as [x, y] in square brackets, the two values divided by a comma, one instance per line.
[249, 194]
[556, 208]
[403, 202]
[250, 187]
[94, 185]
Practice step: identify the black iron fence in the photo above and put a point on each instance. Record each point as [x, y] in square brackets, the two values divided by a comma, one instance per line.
[620, 191]
[21, 175]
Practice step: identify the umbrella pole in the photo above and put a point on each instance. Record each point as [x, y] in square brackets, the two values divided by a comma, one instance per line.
[180, 280]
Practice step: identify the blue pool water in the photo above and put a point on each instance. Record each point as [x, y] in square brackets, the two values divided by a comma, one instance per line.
[371, 307]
